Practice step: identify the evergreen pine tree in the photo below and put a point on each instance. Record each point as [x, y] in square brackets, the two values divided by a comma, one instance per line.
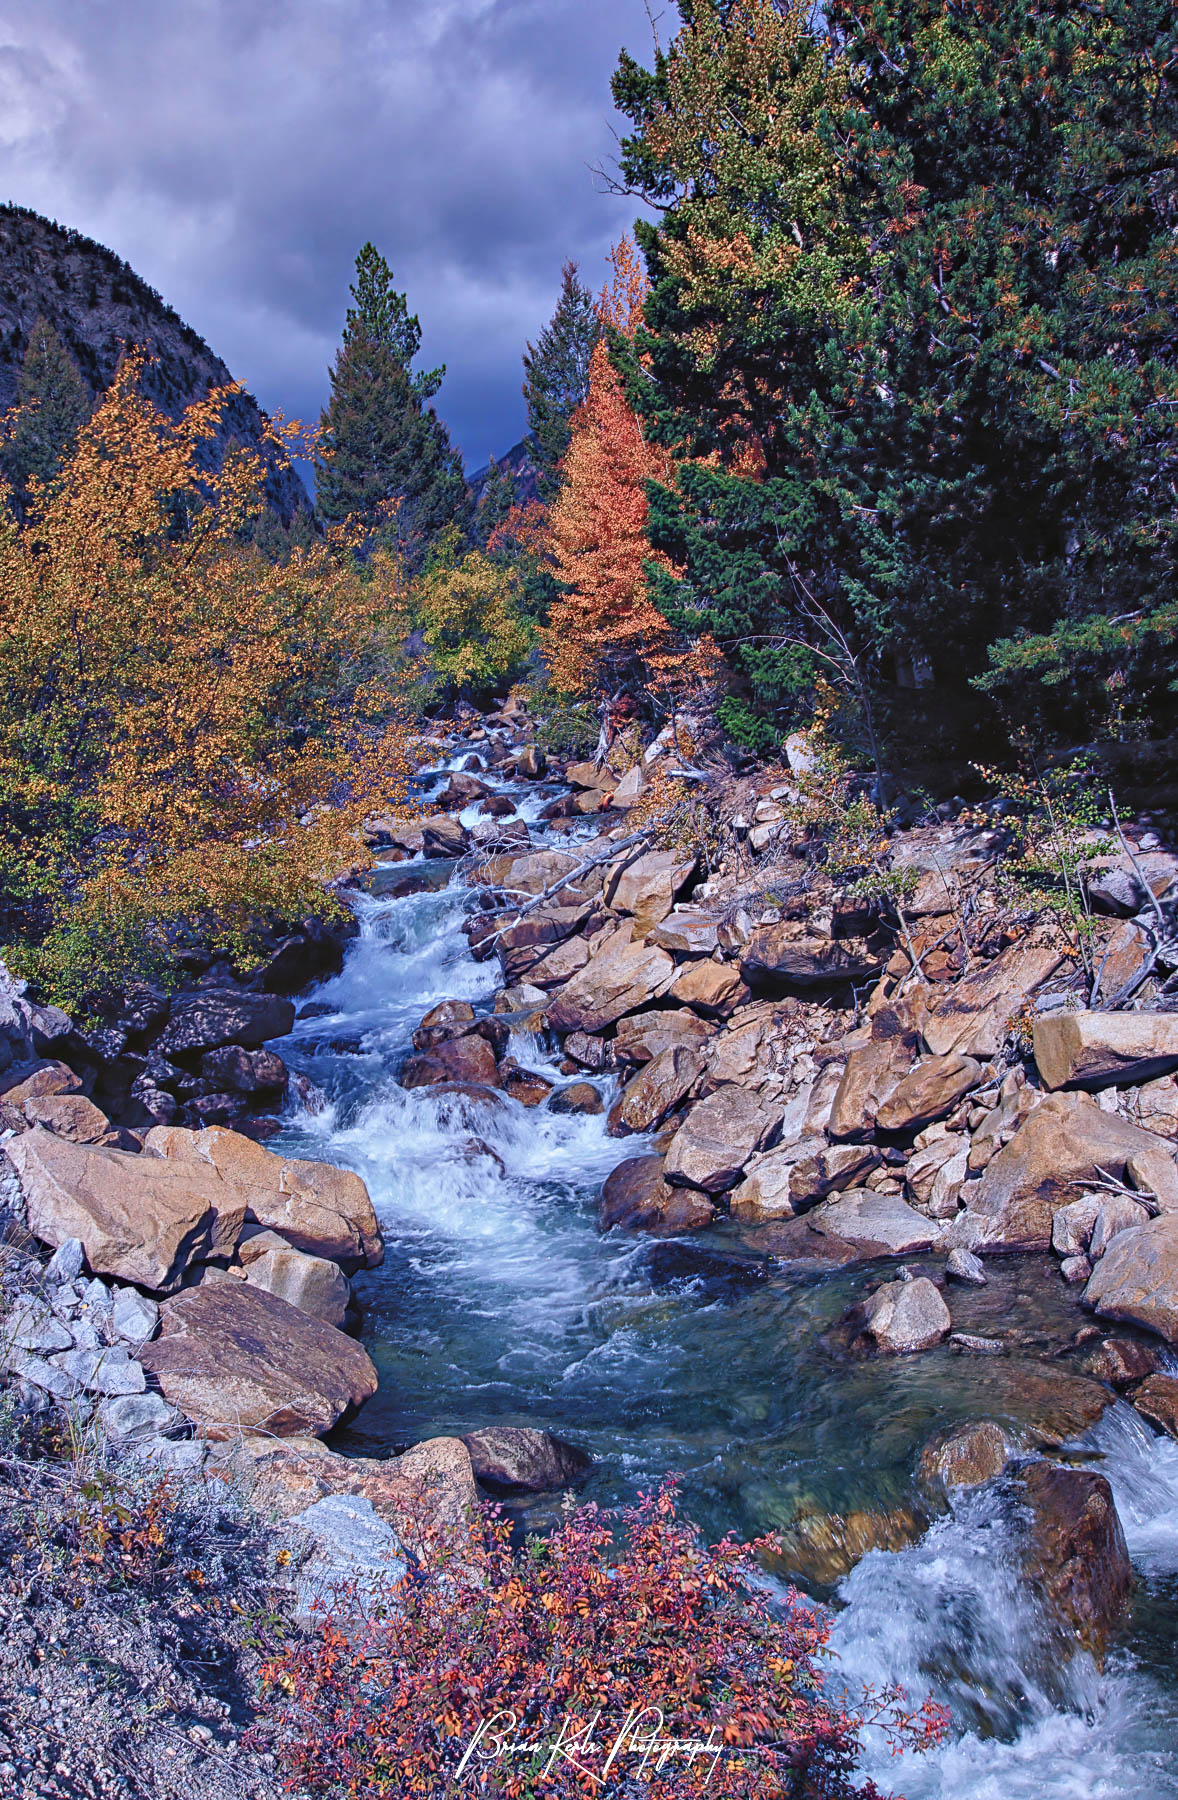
[55, 404]
[556, 370]
[386, 460]
[495, 502]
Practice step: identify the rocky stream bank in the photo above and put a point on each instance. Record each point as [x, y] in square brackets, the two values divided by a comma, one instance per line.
[792, 1113]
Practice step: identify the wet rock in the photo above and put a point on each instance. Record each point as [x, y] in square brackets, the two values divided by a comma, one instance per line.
[819, 1549]
[1101, 1049]
[963, 1265]
[317, 1207]
[930, 1092]
[531, 763]
[969, 1343]
[967, 1455]
[902, 1317]
[1122, 1361]
[722, 1274]
[1136, 1280]
[235, 1358]
[712, 988]
[313, 953]
[443, 836]
[971, 1017]
[311, 1283]
[635, 1197]
[446, 1013]
[717, 1138]
[467, 1059]
[871, 1074]
[513, 1459]
[578, 1097]
[216, 1016]
[660, 1086]
[496, 806]
[1076, 1555]
[138, 1219]
[1059, 1151]
[620, 979]
[1157, 1400]
[526, 1086]
[775, 958]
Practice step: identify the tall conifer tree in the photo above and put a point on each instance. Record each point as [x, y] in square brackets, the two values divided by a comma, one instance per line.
[556, 376]
[55, 404]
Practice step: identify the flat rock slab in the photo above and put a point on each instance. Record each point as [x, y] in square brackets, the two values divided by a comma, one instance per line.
[775, 957]
[929, 1092]
[235, 1358]
[972, 1016]
[138, 1218]
[1136, 1280]
[1098, 1050]
[619, 980]
[876, 1224]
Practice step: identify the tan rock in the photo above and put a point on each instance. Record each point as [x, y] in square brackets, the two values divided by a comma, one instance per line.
[1050, 1161]
[630, 789]
[635, 1197]
[658, 1088]
[1157, 1400]
[875, 1224]
[973, 1015]
[1157, 1107]
[717, 1138]
[871, 1074]
[1115, 1214]
[930, 1092]
[317, 1207]
[1098, 1049]
[1125, 956]
[643, 1037]
[967, 1455]
[139, 1219]
[905, 1316]
[831, 1169]
[925, 1165]
[687, 933]
[69, 1116]
[737, 1057]
[311, 1283]
[712, 988]
[617, 981]
[1154, 1172]
[1076, 1555]
[234, 1358]
[36, 1081]
[1071, 1228]
[765, 1193]
[1136, 1280]
[516, 1459]
[588, 775]
[282, 1476]
[645, 889]
[774, 956]
[469, 1059]
[532, 874]
[560, 964]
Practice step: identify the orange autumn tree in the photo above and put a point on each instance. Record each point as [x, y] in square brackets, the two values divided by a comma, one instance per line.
[605, 637]
[190, 734]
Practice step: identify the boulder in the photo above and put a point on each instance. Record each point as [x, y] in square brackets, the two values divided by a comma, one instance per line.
[924, 1166]
[687, 933]
[660, 1086]
[311, 954]
[1115, 1214]
[963, 1265]
[630, 789]
[69, 1116]
[972, 1016]
[578, 1097]
[1058, 1152]
[1100, 1049]
[1071, 1228]
[531, 763]
[526, 1086]
[967, 1455]
[234, 1358]
[139, 1219]
[905, 1316]
[930, 1092]
[532, 874]
[238, 1071]
[1076, 1554]
[558, 965]
[829, 1170]
[1157, 1400]
[317, 1207]
[443, 836]
[311, 1283]
[514, 1459]
[639, 1039]
[635, 1197]
[1153, 1171]
[774, 957]
[765, 1193]
[431, 1483]
[218, 1016]
[875, 1224]
[1136, 1280]
[716, 1139]
[469, 1058]
[645, 889]
[620, 979]
[37, 1081]
[712, 988]
[1122, 1361]
[871, 1074]
[589, 775]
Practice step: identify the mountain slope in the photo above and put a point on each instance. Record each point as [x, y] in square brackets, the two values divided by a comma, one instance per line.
[98, 306]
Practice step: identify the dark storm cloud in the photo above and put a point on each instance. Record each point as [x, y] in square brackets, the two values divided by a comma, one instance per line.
[238, 152]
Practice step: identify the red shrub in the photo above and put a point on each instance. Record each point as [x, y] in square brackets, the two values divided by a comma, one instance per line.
[595, 1663]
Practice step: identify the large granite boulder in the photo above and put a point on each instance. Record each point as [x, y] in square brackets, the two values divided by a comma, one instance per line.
[905, 1316]
[234, 1358]
[218, 1016]
[1136, 1279]
[876, 1224]
[659, 1087]
[646, 888]
[622, 978]
[515, 1459]
[317, 1207]
[311, 1283]
[714, 989]
[1052, 1159]
[717, 1138]
[972, 1016]
[1098, 1049]
[635, 1197]
[872, 1073]
[929, 1093]
[1157, 1400]
[138, 1218]
[775, 957]
[967, 1455]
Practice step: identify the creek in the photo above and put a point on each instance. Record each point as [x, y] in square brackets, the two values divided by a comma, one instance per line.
[499, 1301]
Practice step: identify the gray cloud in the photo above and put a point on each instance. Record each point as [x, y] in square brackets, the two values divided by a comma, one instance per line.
[238, 152]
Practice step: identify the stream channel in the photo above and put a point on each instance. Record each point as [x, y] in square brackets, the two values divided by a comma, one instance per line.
[500, 1302]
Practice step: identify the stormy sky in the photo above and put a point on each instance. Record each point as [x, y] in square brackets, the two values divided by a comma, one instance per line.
[239, 152]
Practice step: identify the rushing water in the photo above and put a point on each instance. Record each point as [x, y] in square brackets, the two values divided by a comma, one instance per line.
[499, 1301]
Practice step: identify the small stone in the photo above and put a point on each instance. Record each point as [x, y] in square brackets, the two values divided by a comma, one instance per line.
[905, 1316]
[66, 1263]
[186, 1457]
[1075, 1269]
[103, 1371]
[134, 1317]
[963, 1265]
[977, 1346]
[131, 1417]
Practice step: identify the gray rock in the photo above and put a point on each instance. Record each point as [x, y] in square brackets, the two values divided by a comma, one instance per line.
[186, 1457]
[963, 1265]
[134, 1317]
[42, 1374]
[33, 1326]
[103, 1371]
[133, 1417]
[352, 1547]
[66, 1263]
[904, 1316]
